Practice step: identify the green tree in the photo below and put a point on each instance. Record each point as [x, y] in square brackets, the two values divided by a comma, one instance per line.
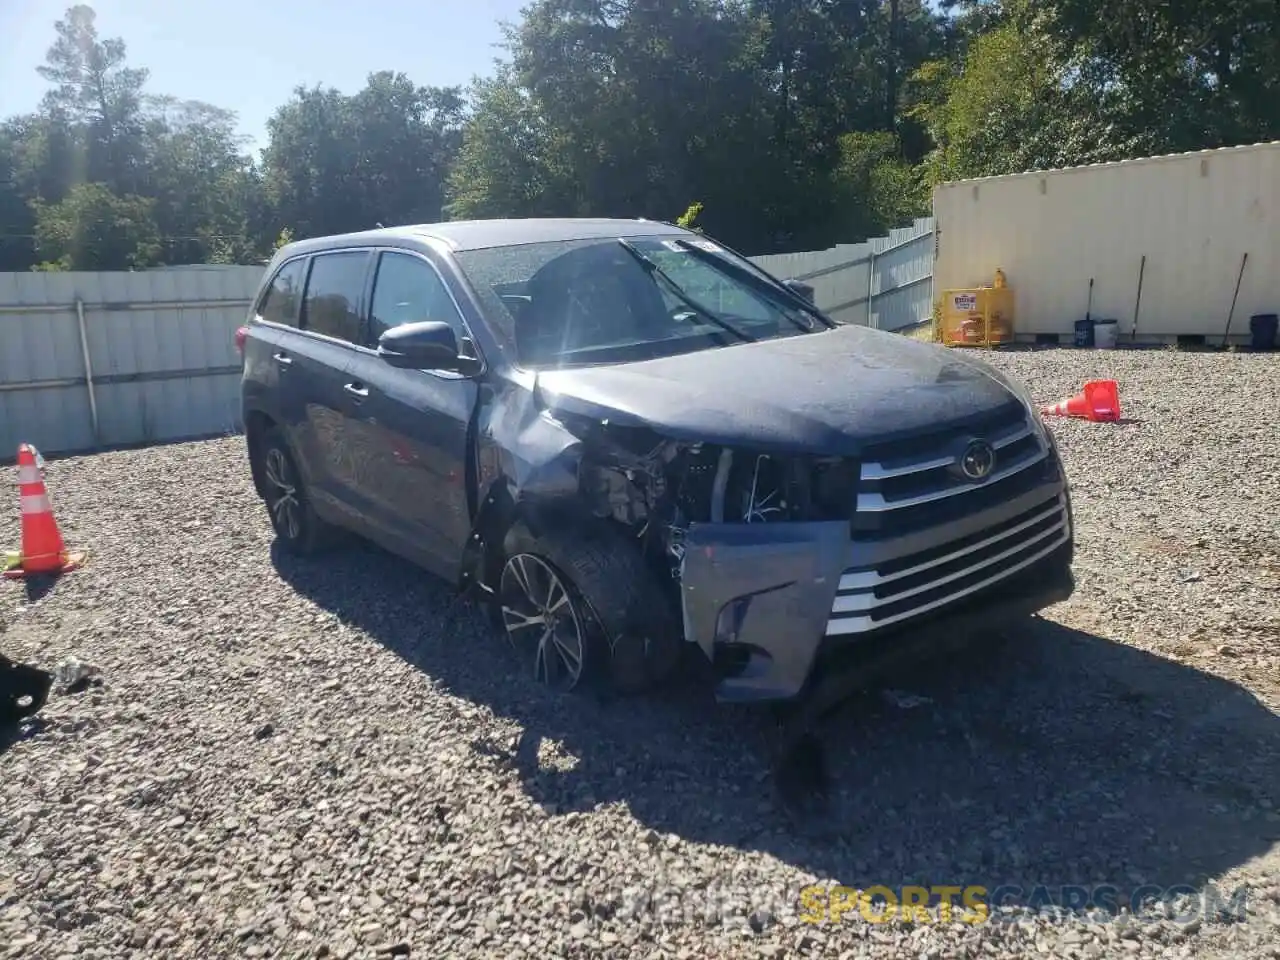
[209, 203]
[94, 229]
[337, 163]
[17, 222]
[97, 130]
[635, 105]
[1189, 75]
[95, 94]
[505, 165]
[629, 107]
[1015, 101]
[798, 123]
[875, 186]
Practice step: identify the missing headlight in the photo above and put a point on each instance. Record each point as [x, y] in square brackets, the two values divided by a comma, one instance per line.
[709, 484]
[834, 488]
[765, 488]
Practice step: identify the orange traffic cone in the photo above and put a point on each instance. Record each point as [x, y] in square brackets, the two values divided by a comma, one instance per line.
[1098, 401]
[42, 549]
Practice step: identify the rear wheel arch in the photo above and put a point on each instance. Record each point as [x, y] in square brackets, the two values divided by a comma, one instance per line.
[257, 426]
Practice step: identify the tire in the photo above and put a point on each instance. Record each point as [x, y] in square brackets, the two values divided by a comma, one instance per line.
[299, 530]
[632, 641]
[24, 691]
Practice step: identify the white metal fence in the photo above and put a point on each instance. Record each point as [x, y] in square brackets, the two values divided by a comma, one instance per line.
[884, 283]
[114, 359]
[93, 360]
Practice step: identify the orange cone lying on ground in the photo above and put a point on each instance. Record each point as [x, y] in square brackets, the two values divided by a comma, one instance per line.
[1098, 401]
[42, 550]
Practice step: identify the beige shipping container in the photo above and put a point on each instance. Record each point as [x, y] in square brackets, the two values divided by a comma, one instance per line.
[1193, 216]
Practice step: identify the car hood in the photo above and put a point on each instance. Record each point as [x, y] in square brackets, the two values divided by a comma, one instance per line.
[832, 392]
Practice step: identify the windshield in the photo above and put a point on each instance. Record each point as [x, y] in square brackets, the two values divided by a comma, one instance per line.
[580, 302]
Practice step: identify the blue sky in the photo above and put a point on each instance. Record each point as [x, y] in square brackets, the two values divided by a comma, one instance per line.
[248, 55]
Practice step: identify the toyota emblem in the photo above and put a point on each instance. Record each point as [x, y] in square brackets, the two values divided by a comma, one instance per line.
[978, 460]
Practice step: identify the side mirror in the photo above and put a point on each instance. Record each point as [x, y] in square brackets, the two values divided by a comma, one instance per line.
[428, 345]
[800, 288]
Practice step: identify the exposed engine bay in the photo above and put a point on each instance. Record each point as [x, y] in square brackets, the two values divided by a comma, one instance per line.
[657, 488]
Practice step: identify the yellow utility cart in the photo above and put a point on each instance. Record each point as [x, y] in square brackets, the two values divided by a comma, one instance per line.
[977, 316]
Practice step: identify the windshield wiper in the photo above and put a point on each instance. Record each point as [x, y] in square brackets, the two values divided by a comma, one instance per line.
[760, 284]
[675, 288]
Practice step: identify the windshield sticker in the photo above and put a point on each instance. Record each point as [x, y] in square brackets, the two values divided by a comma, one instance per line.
[705, 245]
[672, 245]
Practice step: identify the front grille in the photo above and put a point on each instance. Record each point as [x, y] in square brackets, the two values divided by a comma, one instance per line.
[903, 492]
[871, 598]
[913, 486]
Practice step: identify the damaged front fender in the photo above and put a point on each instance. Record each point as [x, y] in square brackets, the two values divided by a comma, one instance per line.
[525, 459]
[749, 548]
[526, 448]
[756, 599]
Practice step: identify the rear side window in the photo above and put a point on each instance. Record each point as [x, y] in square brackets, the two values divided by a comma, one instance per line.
[334, 290]
[280, 302]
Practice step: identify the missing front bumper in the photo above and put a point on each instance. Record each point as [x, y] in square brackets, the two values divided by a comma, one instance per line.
[761, 600]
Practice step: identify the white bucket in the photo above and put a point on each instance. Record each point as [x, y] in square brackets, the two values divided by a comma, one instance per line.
[1105, 333]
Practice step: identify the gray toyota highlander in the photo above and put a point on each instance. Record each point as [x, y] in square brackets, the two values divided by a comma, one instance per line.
[633, 443]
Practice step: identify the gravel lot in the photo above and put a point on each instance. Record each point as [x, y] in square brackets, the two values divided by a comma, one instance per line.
[334, 758]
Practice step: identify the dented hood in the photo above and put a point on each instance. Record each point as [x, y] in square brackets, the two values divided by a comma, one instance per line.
[831, 392]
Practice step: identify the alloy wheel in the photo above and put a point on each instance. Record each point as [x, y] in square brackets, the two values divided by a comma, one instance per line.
[543, 621]
[282, 495]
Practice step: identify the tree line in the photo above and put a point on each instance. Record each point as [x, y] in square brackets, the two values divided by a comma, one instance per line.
[788, 124]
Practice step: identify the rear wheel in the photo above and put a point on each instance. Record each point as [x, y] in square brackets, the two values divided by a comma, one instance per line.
[605, 612]
[293, 518]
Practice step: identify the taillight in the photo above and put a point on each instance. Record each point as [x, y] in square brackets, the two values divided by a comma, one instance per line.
[241, 334]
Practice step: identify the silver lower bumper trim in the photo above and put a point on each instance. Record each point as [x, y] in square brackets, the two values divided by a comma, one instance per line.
[839, 626]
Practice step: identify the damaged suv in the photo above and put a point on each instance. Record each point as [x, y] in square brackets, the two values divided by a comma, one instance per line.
[633, 442]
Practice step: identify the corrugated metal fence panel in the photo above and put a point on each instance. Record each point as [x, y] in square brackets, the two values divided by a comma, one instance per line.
[41, 344]
[160, 345]
[897, 295]
[902, 277]
[838, 276]
[1192, 215]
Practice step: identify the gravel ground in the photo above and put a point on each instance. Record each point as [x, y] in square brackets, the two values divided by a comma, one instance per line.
[289, 759]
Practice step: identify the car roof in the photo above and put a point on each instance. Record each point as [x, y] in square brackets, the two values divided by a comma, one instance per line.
[479, 234]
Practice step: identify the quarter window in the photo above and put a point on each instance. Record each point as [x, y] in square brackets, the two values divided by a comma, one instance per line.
[280, 302]
[334, 290]
[408, 290]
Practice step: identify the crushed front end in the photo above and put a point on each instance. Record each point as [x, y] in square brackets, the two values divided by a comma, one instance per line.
[786, 568]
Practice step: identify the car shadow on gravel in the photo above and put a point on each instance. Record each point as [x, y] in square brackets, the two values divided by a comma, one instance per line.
[11, 734]
[1067, 759]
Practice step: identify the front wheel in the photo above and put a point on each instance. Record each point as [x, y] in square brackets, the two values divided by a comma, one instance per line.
[588, 592]
[545, 620]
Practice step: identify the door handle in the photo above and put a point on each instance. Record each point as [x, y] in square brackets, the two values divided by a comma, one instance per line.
[282, 358]
[356, 390]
